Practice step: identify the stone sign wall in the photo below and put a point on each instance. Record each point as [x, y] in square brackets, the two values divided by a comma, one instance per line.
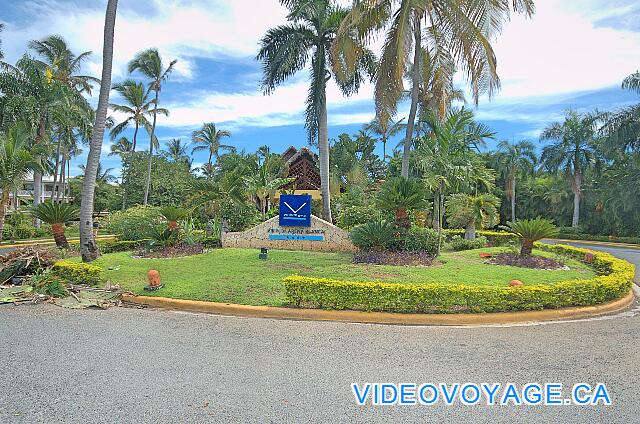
[321, 236]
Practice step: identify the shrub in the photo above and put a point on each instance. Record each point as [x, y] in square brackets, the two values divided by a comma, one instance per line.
[458, 243]
[374, 236]
[77, 272]
[162, 237]
[615, 281]
[113, 246]
[401, 195]
[421, 240]
[494, 238]
[531, 230]
[135, 223]
[211, 242]
[352, 216]
[239, 216]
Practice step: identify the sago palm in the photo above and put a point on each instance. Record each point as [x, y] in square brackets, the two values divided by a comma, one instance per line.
[149, 64]
[513, 160]
[209, 139]
[402, 195]
[56, 215]
[286, 49]
[531, 230]
[460, 30]
[173, 214]
[472, 212]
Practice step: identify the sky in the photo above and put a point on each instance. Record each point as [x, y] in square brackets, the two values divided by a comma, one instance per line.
[570, 54]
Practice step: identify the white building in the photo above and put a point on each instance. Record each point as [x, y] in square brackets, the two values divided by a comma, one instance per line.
[24, 196]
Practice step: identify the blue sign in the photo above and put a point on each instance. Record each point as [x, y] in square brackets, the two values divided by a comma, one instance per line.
[295, 210]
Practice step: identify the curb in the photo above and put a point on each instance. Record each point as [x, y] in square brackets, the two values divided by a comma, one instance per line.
[381, 317]
[600, 243]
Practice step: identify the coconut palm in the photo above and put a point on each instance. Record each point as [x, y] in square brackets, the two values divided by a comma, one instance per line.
[16, 162]
[88, 246]
[622, 128]
[402, 195]
[121, 147]
[514, 159]
[209, 139]
[572, 153]
[56, 215]
[177, 152]
[137, 108]
[448, 29]
[149, 64]
[385, 128]
[472, 212]
[286, 49]
[531, 230]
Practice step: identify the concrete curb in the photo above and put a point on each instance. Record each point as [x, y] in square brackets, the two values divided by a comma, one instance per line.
[600, 243]
[381, 317]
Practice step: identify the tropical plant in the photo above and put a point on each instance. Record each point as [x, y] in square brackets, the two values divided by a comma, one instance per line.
[133, 223]
[385, 128]
[472, 212]
[149, 64]
[209, 139]
[16, 161]
[177, 152]
[163, 237]
[375, 236]
[514, 159]
[572, 153]
[622, 127]
[1, 52]
[56, 215]
[173, 214]
[450, 30]
[285, 50]
[264, 184]
[88, 246]
[402, 195]
[531, 230]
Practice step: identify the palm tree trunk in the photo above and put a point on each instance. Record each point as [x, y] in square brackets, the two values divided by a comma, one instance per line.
[58, 236]
[124, 190]
[3, 208]
[37, 176]
[577, 197]
[415, 88]
[88, 246]
[384, 147]
[153, 132]
[323, 147]
[60, 192]
[135, 137]
[55, 170]
[513, 199]
[67, 186]
[436, 212]
[210, 165]
[470, 231]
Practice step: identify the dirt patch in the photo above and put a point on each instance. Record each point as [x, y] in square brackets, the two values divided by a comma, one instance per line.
[172, 252]
[527, 261]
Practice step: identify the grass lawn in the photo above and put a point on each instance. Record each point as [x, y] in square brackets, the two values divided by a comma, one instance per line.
[238, 276]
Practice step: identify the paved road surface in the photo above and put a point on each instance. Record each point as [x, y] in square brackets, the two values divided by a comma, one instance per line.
[152, 366]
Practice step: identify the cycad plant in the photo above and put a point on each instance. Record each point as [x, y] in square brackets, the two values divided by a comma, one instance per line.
[530, 231]
[374, 236]
[56, 215]
[402, 195]
[173, 214]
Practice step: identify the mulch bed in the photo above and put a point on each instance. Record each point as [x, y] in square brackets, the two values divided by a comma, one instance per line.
[527, 261]
[172, 252]
[393, 258]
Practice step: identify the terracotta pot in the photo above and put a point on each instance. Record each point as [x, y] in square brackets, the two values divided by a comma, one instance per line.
[516, 283]
[153, 277]
[588, 257]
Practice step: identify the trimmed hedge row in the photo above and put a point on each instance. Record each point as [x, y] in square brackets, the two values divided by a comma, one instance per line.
[494, 238]
[595, 237]
[615, 280]
[77, 272]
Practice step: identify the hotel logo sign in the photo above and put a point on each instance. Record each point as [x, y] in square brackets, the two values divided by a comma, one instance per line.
[295, 210]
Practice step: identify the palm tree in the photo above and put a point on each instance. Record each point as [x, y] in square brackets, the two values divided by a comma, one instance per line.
[402, 195]
[514, 159]
[177, 152]
[138, 106]
[16, 162]
[1, 52]
[121, 147]
[56, 215]
[572, 153]
[208, 138]
[150, 65]
[456, 30]
[472, 212]
[88, 246]
[622, 128]
[385, 128]
[285, 50]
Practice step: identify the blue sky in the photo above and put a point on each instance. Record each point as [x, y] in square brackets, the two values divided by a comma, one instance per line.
[570, 54]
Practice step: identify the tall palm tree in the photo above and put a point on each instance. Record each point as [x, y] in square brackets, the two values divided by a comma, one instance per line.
[514, 159]
[88, 246]
[285, 50]
[572, 152]
[150, 65]
[209, 139]
[177, 152]
[137, 108]
[622, 128]
[452, 29]
[121, 147]
[16, 161]
[1, 52]
[385, 128]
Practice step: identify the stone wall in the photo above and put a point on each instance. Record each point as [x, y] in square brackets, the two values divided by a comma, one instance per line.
[321, 236]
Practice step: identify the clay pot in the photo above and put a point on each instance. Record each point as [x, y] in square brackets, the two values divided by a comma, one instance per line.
[153, 277]
[516, 283]
[588, 257]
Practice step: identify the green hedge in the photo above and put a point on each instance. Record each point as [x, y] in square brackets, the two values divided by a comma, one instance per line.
[594, 237]
[77, 272]
[615, 280]
[494, 238]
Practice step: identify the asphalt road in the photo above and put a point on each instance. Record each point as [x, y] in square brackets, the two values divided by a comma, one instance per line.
[152, 366]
